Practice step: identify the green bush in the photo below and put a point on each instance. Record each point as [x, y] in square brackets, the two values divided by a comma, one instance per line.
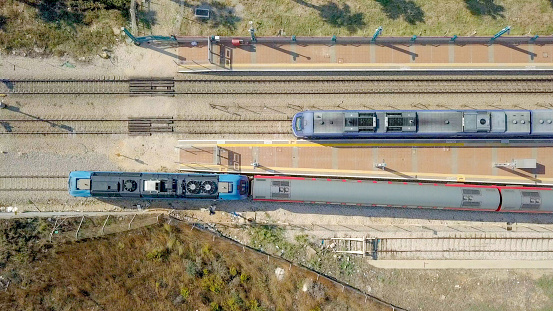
[184, 292]
[244, 278]
[158, 254]
[215, 307]
[212, 283]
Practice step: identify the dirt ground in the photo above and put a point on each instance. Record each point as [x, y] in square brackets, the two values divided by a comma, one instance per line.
[417, 289]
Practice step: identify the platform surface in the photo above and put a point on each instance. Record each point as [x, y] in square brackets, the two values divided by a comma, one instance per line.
[267, 56]
[447, 162]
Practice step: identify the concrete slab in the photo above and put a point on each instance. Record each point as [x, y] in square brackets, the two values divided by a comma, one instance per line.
[452, 162]
[288, 55]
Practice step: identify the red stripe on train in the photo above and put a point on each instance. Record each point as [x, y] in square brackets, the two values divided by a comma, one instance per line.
[278, 177]
[272, 200]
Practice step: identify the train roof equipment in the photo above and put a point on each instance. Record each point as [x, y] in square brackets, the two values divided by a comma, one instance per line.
[423, 123]
[158, 185]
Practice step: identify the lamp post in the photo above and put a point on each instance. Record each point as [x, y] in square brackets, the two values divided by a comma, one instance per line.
[252, 32]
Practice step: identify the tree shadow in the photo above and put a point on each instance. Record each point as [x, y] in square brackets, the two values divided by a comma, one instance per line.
[72, 12]
[485, 7]
[3, 22]
[337, 16]
[57, 11]
[219, 15]
[147, 18]
[394, 9]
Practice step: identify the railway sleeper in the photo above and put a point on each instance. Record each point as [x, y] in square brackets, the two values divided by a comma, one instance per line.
[169, 129]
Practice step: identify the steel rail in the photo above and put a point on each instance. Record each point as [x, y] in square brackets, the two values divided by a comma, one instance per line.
[263, 79]
[288, 86]
[126, 126]
[33, 183]
[207, 118]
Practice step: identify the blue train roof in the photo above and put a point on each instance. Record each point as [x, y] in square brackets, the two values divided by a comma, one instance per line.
[422, 122]
[79, 183]
[158, 185]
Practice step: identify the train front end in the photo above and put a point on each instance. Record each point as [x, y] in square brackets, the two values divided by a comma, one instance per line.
[302, 124]
[233, 187]
[79, 183]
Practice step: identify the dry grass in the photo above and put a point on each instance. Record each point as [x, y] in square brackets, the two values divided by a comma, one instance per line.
[362, 17]
[162, 268]
[60, 27]
[82, 27]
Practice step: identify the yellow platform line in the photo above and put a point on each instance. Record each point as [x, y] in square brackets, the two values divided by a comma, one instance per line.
[311, 145]
[369, 174]
[307, 65]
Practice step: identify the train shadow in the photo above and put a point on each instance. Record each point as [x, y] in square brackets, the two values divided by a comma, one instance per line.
[313, 210]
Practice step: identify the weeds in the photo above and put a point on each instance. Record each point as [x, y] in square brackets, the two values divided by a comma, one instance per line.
[185, 293]
[546, 284]
[59, 27]
[347, 266]
[159, 254]
[244, 278]
[119, 273]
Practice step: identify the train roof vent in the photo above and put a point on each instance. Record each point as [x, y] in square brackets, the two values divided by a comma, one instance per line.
[471, 191]
[530, 200]
[193, 187]
[209, 187]
[130, 185]
[471, 204]
[470, 198]
[280, 189]
[401, 122]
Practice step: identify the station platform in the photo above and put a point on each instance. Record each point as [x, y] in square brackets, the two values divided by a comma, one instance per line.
[201, 54]
[444, 162]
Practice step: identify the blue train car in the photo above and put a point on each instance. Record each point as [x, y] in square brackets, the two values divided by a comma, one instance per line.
[429, 124]
[158, 185]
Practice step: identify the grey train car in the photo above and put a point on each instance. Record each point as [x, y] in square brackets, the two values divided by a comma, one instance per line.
[428, 124]
[398, 194]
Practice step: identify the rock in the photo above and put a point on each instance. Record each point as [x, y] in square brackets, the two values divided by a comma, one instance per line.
[179, 300]
[39, 50]
[104, 55]
[116, 31]
[457, 286]
[310, 252]
[307, 285]
[279, 272]
[369, 289]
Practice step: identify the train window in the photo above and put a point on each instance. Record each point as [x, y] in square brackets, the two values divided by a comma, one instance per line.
[299, 121]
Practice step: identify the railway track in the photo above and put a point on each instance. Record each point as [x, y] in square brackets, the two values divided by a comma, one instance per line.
[428, 248]
[33, 183]
[144, 126]
[303, 86]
